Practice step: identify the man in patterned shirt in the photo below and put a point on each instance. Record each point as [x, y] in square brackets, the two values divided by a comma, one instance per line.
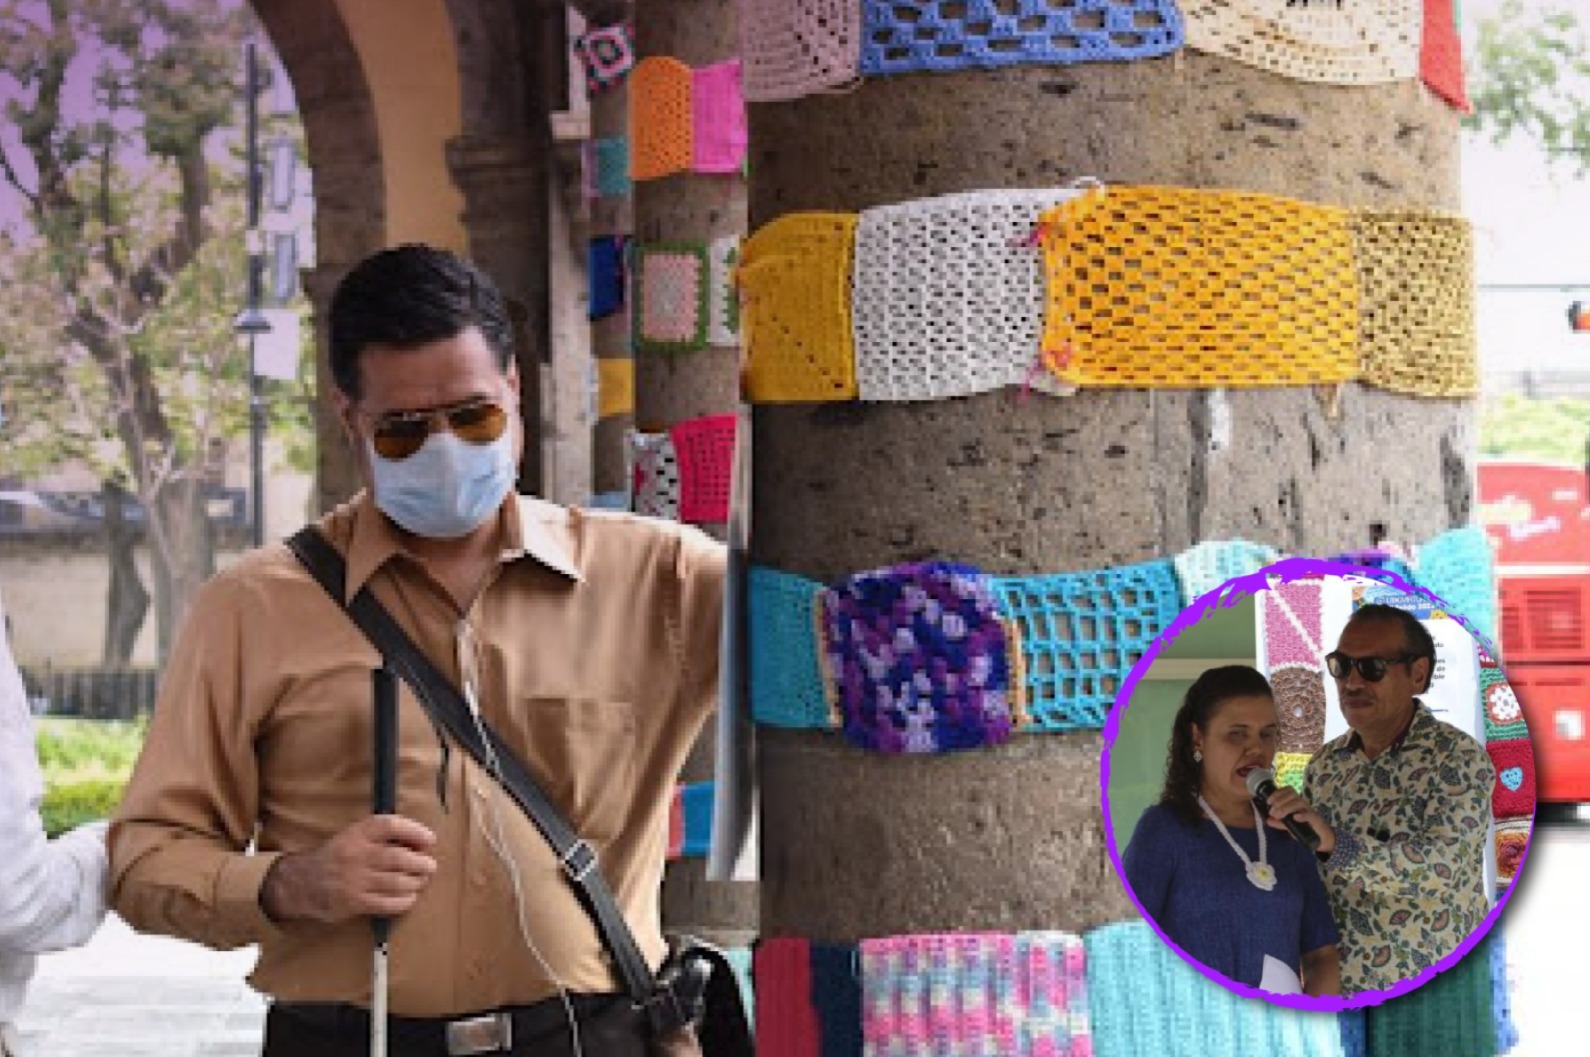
[1403, 801]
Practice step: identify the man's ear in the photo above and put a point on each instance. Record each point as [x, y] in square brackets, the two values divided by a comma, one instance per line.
[1429, 673]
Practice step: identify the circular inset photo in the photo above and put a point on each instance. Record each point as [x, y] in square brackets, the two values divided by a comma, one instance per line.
[1318, 785]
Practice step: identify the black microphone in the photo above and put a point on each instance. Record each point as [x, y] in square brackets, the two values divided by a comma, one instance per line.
[1261, 783]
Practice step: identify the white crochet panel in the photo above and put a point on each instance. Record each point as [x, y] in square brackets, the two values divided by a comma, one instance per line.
[723, 319]
[654, 474]
[948, 296]
[1355, 42]
[794, 48]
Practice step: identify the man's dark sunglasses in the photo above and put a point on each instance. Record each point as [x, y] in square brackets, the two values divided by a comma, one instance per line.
[1373, 669]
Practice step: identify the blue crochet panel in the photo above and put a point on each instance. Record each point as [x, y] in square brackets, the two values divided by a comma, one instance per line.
[836, 998]
[1355, 1032]
[786, 680]
[696, 798]
[612, 167]
[605, 259]
[1081, 633]
[1458, 567]
[1501, 995]
[902, 37]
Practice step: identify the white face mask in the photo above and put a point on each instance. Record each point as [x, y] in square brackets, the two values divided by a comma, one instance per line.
[448, 488]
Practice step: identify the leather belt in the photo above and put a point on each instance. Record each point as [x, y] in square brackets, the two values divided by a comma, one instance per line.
[493, 1031]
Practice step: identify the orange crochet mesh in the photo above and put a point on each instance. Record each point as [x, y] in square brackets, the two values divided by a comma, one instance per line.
[1416, 282]
[1163, 286]
[661, 121]
[794, 279]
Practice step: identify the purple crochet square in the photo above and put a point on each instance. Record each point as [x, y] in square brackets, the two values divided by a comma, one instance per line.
[919, 659]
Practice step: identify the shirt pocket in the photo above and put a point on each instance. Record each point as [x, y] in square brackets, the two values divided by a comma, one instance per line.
[582, 753]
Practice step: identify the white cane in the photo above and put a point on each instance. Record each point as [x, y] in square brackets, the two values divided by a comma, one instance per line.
[384, 685]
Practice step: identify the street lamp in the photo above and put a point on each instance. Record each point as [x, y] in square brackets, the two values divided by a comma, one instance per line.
[251, 321]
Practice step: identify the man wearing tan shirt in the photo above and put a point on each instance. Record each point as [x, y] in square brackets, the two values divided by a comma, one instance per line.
[588, 640]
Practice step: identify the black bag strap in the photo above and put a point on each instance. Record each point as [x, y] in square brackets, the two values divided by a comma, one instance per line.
[448, 709]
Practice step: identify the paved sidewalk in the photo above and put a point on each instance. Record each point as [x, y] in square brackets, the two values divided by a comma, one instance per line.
[142, 996]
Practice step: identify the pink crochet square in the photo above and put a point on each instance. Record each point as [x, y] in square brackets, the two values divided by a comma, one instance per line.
[786, 1021]
[705, 450]
[608, 54]
[718, 112]
[1292, 623]
[671, 298]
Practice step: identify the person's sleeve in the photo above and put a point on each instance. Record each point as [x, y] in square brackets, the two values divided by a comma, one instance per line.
[1147, 864]
[1318, 928]
[1445, 853]
[179, 857]
[52, 893]
[701, 568]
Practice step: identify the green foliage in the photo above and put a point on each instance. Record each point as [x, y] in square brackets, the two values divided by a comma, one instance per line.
[86, 764]
[1552, 430]
[74, 803]
[1530, 78]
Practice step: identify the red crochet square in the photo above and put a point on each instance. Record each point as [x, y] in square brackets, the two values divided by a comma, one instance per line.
[1513, 796]
[1441, 54]
[786, 1020]
[705, 450]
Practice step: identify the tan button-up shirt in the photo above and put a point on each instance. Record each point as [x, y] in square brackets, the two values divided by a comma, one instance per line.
[596, 647]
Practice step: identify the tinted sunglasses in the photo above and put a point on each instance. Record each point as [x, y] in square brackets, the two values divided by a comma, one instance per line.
[1373, 669]
[402, 433]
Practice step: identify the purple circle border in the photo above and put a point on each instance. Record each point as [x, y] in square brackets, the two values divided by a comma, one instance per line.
[1223, 597]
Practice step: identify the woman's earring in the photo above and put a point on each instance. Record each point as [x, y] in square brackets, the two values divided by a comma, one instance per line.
[1198, 757]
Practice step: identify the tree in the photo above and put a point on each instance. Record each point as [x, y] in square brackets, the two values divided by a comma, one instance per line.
[131, 262]
[1529, 78]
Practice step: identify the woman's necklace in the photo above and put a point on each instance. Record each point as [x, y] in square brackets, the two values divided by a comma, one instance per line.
[1260, 874]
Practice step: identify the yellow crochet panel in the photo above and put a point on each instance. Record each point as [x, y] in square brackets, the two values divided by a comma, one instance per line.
[1416, 296]
[661, 124]
[1164, 286]
[1289, 768]
[615, 386]
[794, 280]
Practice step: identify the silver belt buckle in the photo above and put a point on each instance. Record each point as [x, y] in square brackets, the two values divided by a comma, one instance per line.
[491, 1033]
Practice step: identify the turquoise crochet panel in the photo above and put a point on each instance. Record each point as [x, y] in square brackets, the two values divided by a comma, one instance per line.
[1459, 568]
[786, 682]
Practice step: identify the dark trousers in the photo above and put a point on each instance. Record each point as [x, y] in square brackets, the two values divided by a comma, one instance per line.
[609, 1027]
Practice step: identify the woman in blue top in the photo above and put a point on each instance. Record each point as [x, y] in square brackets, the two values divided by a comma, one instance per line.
[1242, 898]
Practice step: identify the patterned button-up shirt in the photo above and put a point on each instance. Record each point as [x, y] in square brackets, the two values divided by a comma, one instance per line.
[1407, 877]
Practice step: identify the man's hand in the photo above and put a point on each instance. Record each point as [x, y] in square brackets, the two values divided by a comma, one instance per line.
[1285, 802]
[377, 867]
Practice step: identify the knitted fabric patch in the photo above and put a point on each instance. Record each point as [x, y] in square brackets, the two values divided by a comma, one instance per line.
[948, 296]
[671, 298]
[696, 804]
[1299, 707]
[974, 993]
[1355, 1032]
[786, 673]
[1513, 795]
[615, 386]
[1146, 1000]
[723, 304]
[836, 994]
[786, 1023]
[654, 475]
[962, 34]
[1450, 1014]
[1289, 768]
[1441, 54]
[607, 53]
[718, 136]
[1458, 566]
[661, 118]
[1504, 716]
[1205, 566]
[793, 48]
[705, 449]
[1501, 993]
[1416, 304]
[605, 264]
[1512, 837]
[794, 280]
[1081, 633]
[1292, 618]
[1164, 286]
[1358, 42]
[918, 659]
[610, 162]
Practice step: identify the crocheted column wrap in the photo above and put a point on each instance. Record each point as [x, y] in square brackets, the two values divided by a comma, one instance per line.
[1512, 837]
[948, 296]
[615, 386]
[611, 163]
[1164, 286]
[1416, 302]
[1293, 614]
[672, 295]
[1359, 42]
[661, 118]
[794, 48]
[696, 809]
[1514, 793]
[705, 450]
[1299, 707]
[1504, 716]
[723, 304]
[1501, 992]
[654, 475]
[786, 1023]
[786, 673]
[1458, 566]
[1289, 768]
[605, 264]
[1449, 1015]
[836, 994]
[1441, 57]
[967, 34]
[718, 137]
[1355, 1028]
[794, 280]
[1206, 566]
[1146, 1000]
[607, 53]
[1081, 633]
[918, 659]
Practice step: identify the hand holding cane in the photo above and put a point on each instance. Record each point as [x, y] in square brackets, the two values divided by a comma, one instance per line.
[384, 685]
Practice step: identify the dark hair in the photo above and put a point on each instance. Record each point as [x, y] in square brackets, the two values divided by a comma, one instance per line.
[1183, 776]
[1415, 636]
[410, 296]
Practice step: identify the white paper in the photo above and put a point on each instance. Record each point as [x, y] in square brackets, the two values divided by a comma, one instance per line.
[277, 351]
[1279, 979]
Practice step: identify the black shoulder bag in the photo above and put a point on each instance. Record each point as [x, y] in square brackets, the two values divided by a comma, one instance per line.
[673, 998]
